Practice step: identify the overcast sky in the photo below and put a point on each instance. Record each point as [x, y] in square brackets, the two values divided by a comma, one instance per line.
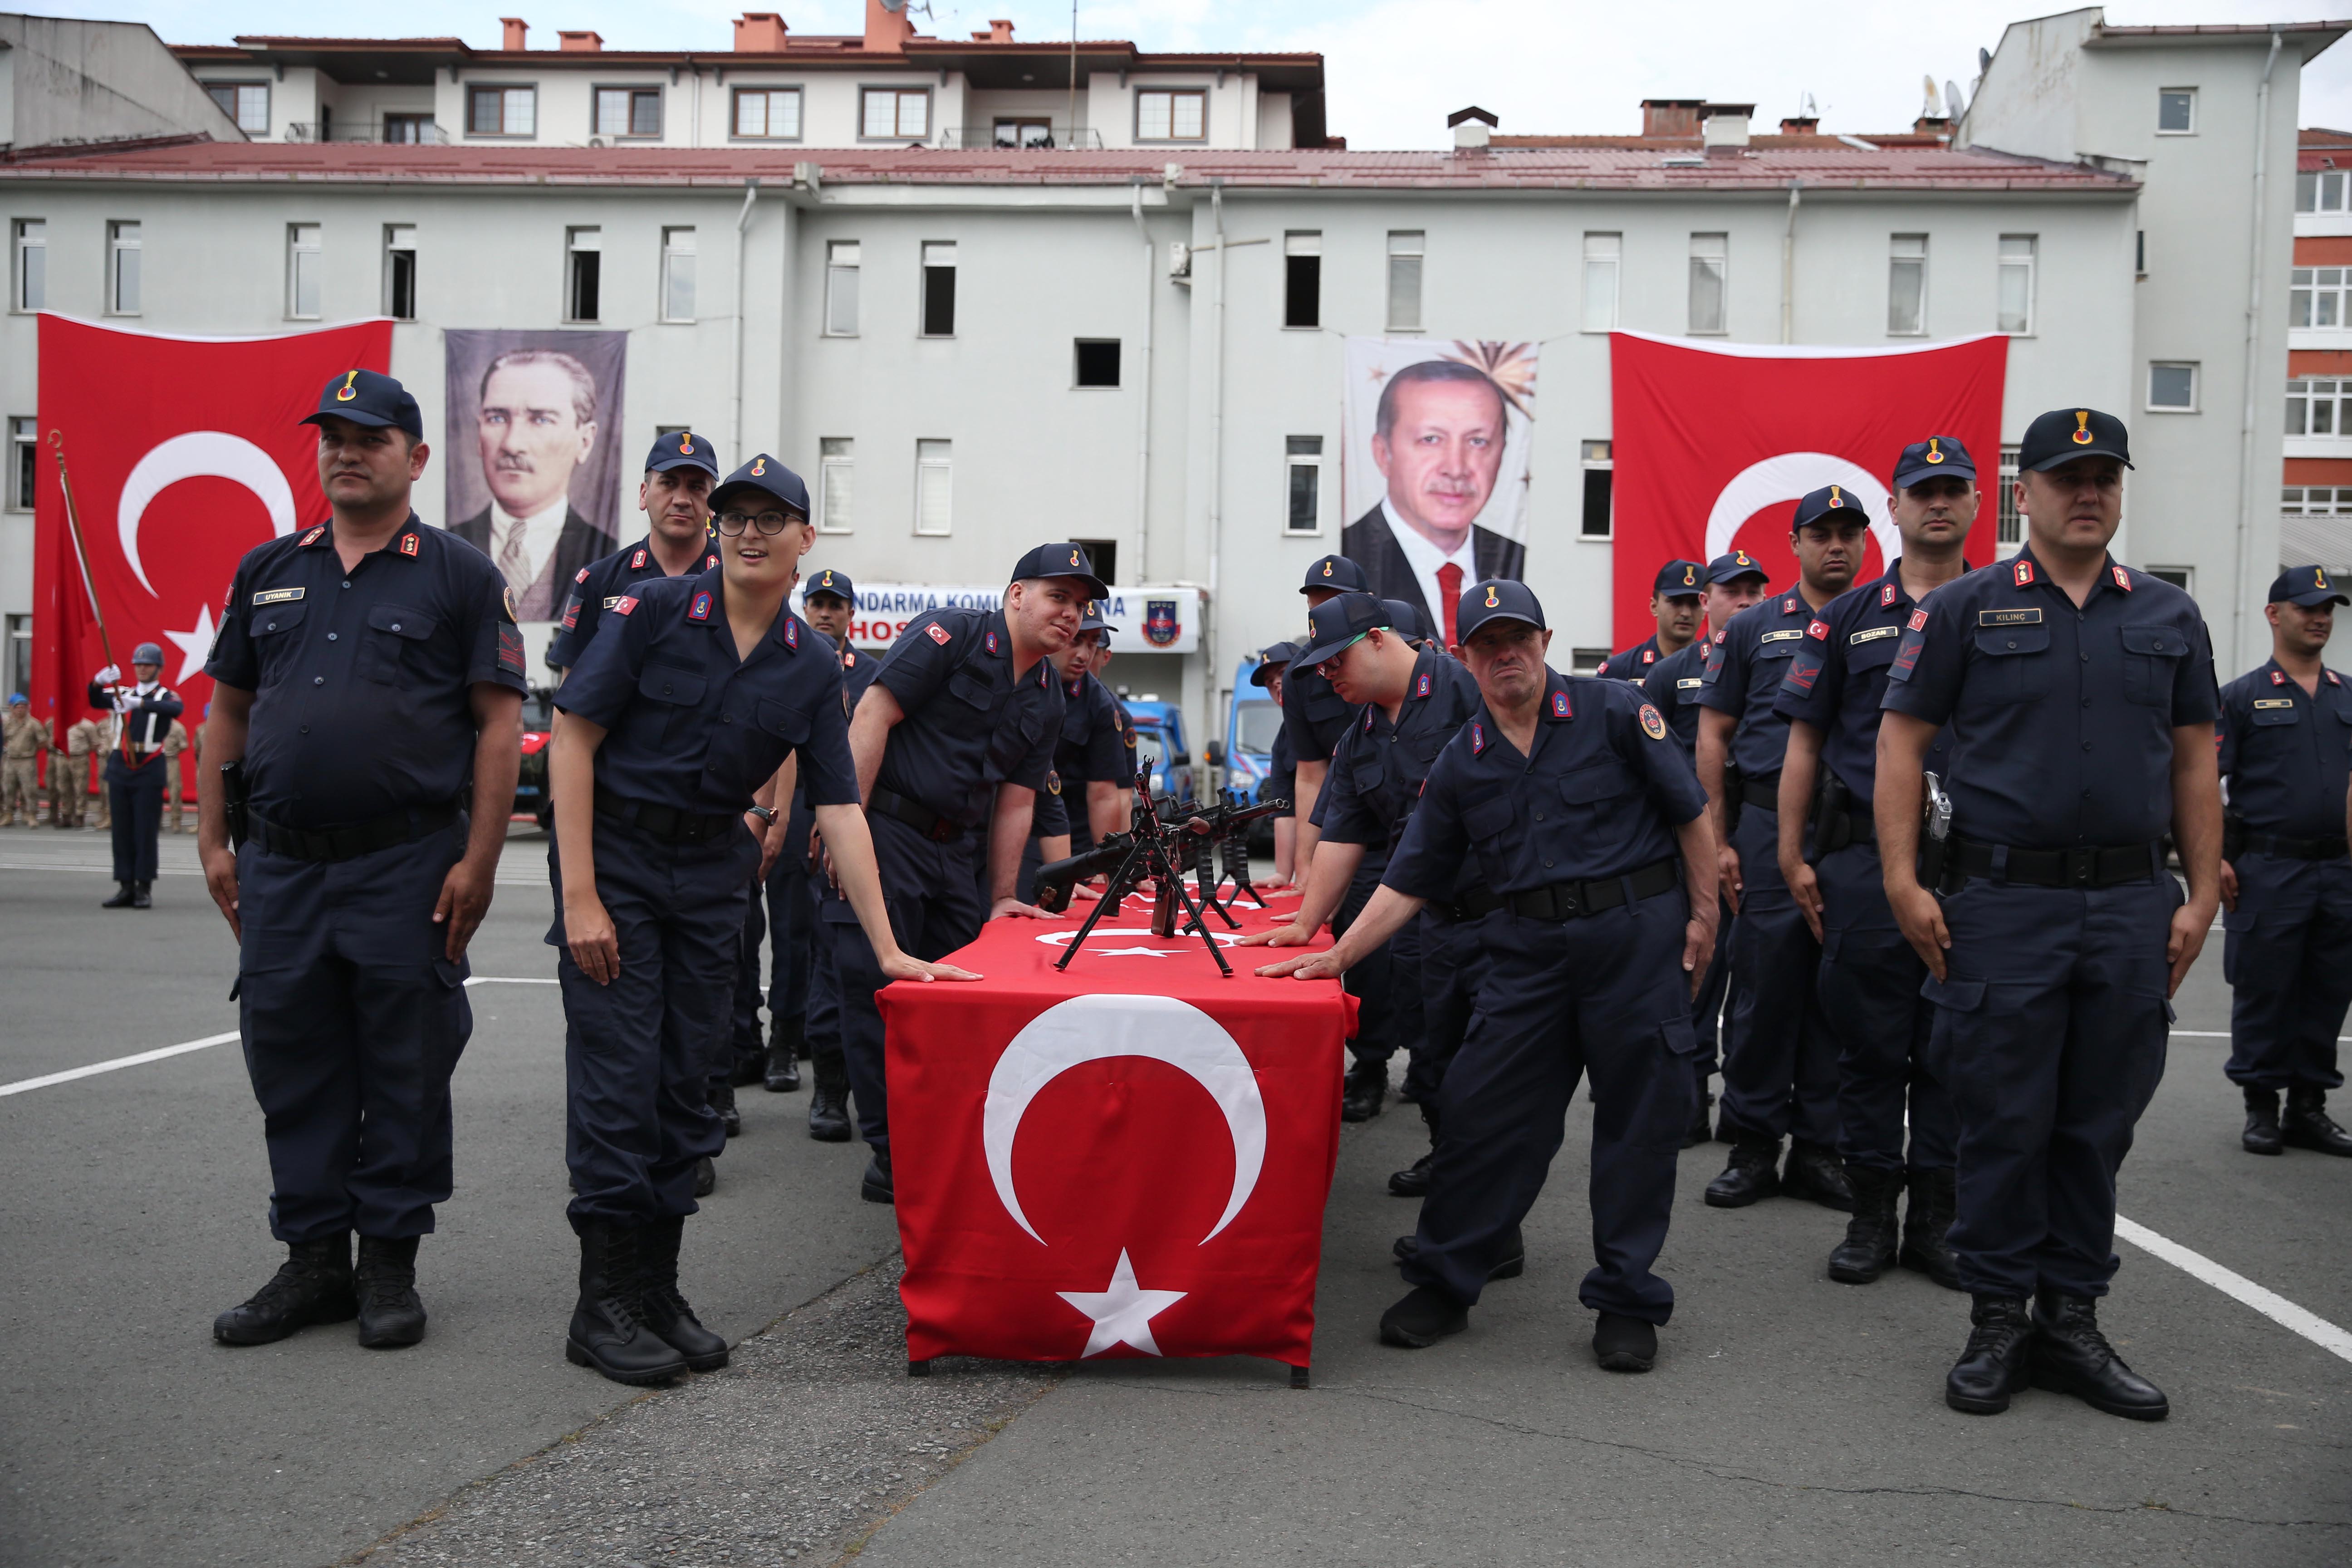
[1395, 68]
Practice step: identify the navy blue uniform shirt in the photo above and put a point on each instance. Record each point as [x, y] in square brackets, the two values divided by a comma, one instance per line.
[1092, 741]
[1744, 670]
[1281, 770]
[598, 586]
[1634, 662]
[363, 680]
[1839, 676]
[1672, 685]
[2287, 757]
[1601, 795]
[1377, 772]
[2061, 720]
[968, 725]
[856, 674]
[693, 727]
[1313, 715]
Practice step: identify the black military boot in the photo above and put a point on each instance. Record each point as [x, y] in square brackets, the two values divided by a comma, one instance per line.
[1926, 1228]
[2261, 1135]
[784, 1047]
[126, 896]
[391, 1317]
[1753, 1174]
[1367, 1088]
[2307, 1125]
[665, 1310]
[1509, 1264]
[1621, 1344]
[1868, 1249]
[608, 1329]
[1993, 1365]
[875, 1186]
[706, 1176]
[1426, 1315]
[722, 1101]
[140, 897]
[829, 1100]
[2071, 1356]
[1814, 1171]
[312, 1286]
[1413, 1182]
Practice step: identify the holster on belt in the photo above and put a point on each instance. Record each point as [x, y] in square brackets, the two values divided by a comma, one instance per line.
[1832, 820]
[236, 792]
[1734, 795]
[2233, 836]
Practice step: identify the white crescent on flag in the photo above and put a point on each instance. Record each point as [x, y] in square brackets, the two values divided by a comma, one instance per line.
[200, 453]
[1790, 475]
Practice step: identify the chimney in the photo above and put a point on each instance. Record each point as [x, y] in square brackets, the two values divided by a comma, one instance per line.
[1000, 31]
[1932, 125]
[759, 33]
[579, 43]
[886, 27]
[1671, 117]
[1801, 125]
[1724, 125]
[516, 28]
[1471, 128]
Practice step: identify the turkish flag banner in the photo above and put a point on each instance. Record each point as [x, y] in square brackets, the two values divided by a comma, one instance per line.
[183, 454]
[1714, 443]
[1129, 1157]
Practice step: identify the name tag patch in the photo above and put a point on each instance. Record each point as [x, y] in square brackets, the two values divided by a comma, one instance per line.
[1793, 635]
[1873, 635]
[2274, 702]
[278, 596]
[1691, 684]
[2008, 617]
[611, 600]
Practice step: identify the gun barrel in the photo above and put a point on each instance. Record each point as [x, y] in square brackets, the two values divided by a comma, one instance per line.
[1054, 881]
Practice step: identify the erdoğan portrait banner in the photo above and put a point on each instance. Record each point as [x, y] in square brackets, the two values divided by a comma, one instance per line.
[1715, 444]
[183, 454]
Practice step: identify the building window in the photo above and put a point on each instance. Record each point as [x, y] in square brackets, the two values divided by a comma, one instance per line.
[677, 274]
[836, 484]
[769, 113]
[1163, 116]
[1710, 273]
[246, 102]
[24, 464]
[583, 258]
[1603, 253]
[1303, 484]
[303, 262]
[934, 486]
[1586, 660]
[410, 129]
[2316, 297]
[32, 263]
[2181, 577]
[1302, 279]
[2320, 191]
[1021, 131]
[2172, 386]
[896, 114]
[1600, 476]
[841, 288]
[1405, 247]
[2175, 112]
[1907, 285]
[400, 271]
[2013, 286]
[2317, 500]
[122, 268]
[1104, 553]
[628, 112]
[502, 111]
[1096, 361]
[939, 287]
[2311, 407]
[20, 654]
[2009, 528]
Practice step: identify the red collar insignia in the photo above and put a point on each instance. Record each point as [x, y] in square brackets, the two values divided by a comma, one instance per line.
[408, 544]
[700, 609]
[2331, 678]
[1788, 606]
[710, 562]
[1560, 708]
[313, 537]
[582, 576]
[1477, 738]
[990, 641]
[791, 634]
[849, 659]
[1422, 689]
[1886, 594]
[2123, 578]
[637, 558]
[2278, 677]
[2023, 572]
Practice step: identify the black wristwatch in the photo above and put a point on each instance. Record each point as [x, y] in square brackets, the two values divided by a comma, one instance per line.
[766, 814]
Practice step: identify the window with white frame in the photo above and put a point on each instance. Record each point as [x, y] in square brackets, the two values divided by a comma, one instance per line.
[1907, 285]
[2172, 386]
[303, 262]
[1710, 278]
[939, 287]
[1302, 278]
[246, 102]
[584, 282]
[628, 112]
[2320, 191]
[122, 268]
[768, 113]
[836, 484]
[2007, 525]
[2175, 112]
[32, 238]
[2315, 296]
[1603, 253]
[502, 111]
[1171, 115]
[2317, 500]
[400, 271]
[841, 288]
[1302, 484]
[1405, 247]
[25, 462]
[677, 274]
[895, 114]
[2181, 577]
[1600, 477]
[934, 487]
[2013, 285]
[2313, 407]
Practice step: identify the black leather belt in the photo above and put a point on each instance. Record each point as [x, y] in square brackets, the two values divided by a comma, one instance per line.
[666, 823]
[915, 815]
[1764, 793]
[1574, 900]
[2296, 848]
[334, 844]
[2110, 867]
[1855, 826]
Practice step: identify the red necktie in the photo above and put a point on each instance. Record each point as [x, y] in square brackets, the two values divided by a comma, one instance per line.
[1449, 590]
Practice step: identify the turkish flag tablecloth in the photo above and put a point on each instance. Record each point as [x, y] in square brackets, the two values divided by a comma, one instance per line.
[1129, 1157]
[1714, 443]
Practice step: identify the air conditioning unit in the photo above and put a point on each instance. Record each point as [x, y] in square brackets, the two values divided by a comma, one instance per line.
[1179, 259]
[595, 140]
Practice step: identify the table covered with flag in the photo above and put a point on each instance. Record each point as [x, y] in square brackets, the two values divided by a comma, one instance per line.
[1127, 1157]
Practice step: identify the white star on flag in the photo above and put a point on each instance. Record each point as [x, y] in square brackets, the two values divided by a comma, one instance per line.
[194, 647]
[1122, 1314]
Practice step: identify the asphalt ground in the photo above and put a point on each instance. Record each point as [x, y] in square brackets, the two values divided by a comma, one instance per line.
[1790, 1418]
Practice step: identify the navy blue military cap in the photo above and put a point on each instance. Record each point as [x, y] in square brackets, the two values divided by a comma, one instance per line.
[1831, 505]
[1737, 565]
[1338, 573]
[2064, 435]
[1935, 455]
[1270, 658]
[369, 398]
[2306, 586]
[1092, 621]
[766, 477]
[1406, 618]
[1335, 624]
[682, 449]
[829, 581]
[1496, 599]
[1677, 578]
[1066, 559]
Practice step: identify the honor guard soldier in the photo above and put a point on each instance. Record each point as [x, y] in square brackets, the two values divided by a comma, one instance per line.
[675, 495]
[1779, 1059]
[2286, 885]
[366, 668]
[23, 739]
[953, 741]
[1281, 781]
[1677, 604]
[1592, 834]
[1870, 978]
[676, 721]
[2079, 697]
[144, 712]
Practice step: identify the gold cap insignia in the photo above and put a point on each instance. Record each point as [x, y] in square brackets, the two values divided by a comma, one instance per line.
[2082, 436]
[348, 391]
[1933, 455]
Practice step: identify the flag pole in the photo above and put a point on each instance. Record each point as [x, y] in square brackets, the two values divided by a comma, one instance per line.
[81, 551]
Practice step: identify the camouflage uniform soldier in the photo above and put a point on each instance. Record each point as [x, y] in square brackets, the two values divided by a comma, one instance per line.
[23, 739]
[85, 741]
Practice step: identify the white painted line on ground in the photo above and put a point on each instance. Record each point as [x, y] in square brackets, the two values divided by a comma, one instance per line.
[88, 868]
[2269, 1303]
[185, 1046]
[2225, 1034]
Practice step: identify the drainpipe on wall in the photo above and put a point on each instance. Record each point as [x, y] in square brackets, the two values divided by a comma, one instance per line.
[742, 224]
[1143, 378]
[2238, 587]
[1216, 461]
[1788, 267]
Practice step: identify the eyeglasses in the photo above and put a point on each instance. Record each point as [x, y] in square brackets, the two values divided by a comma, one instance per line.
[1325, 668]
[770, 523]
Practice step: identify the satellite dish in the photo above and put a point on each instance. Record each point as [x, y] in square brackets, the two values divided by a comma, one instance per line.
[1932, 109]
[1811, 111]
[1984, 60]
[1954, 104]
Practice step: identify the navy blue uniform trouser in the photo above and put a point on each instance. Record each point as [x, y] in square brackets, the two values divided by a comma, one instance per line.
[2287, 953]
[936, 907]
[740, 1035]
[792, 941]
[1606, 995]
[1453, 965]
[1380, 1028]
[1779, 1059]
[2050, 1028]
[638, 1053]
[1706, 1007]
[353, 1018]
[1870, 983]
[135, 796]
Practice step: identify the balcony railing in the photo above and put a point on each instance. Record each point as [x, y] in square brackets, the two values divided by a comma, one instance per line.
[1022, 134]
[401, 132]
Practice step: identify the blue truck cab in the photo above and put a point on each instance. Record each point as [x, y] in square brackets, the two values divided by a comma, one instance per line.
[1250, 724]
[1159, 744]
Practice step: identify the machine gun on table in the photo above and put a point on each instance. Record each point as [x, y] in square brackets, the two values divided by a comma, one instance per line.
[1164, 840]
[1224, 828]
